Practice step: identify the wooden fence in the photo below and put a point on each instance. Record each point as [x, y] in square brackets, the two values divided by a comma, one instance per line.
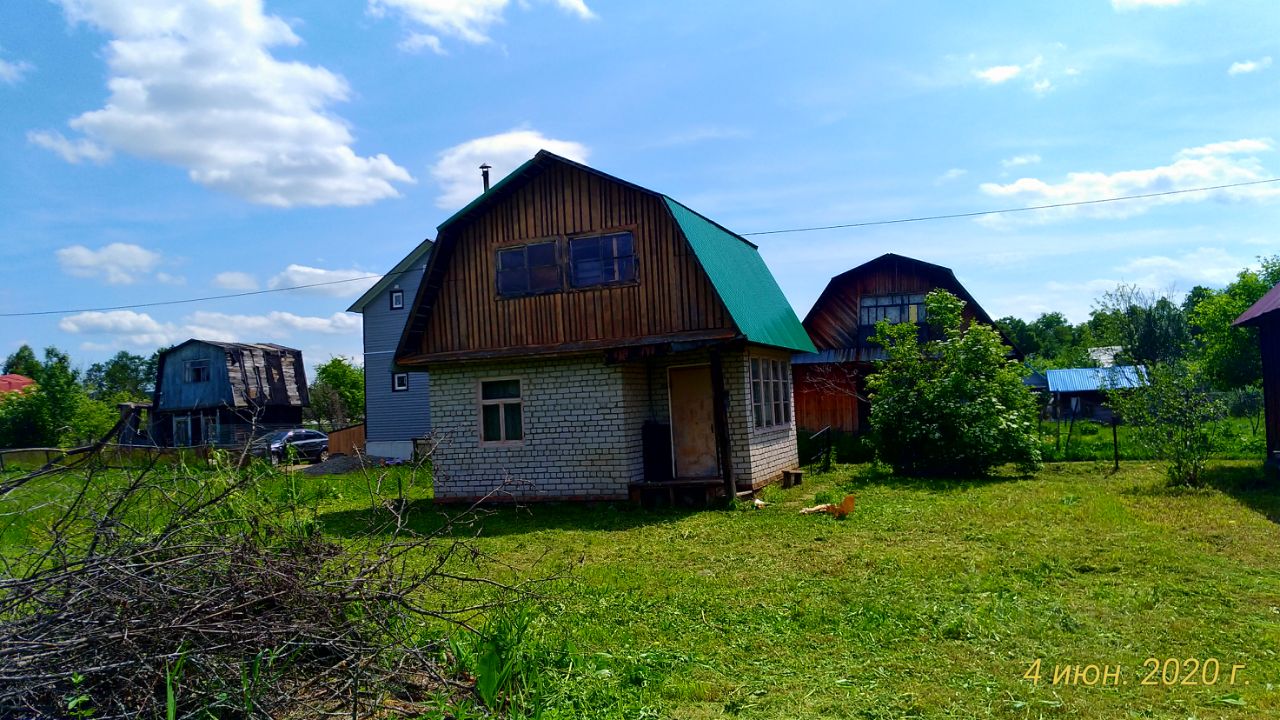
[347, 440]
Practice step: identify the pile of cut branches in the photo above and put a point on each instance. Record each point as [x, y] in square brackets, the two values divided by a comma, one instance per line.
[153, 594]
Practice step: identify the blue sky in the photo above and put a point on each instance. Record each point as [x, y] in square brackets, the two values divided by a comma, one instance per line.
[166, 150]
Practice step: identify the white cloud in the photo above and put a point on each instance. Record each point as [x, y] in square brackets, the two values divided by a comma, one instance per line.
[457, 171]
[466, 20]
[416, 42]
[73, 151]
[194, 84]
[273, 325]
[1229, 147]
[117, 263]
[949, 175]
[1208, 165]
[1123, 5]
[138, 329]
[1018, 160]
[1037, 73]
[233, 280]
[1203, 266]
[1248, 66]
[142, 330]
[341, 283]
[998, 74]
[168, 279]
[12, 73]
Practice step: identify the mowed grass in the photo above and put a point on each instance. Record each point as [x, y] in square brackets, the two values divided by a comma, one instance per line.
[932, 600]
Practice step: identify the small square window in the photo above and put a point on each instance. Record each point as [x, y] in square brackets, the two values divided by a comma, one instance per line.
[399, 382]
[196, 371]
[397, 299]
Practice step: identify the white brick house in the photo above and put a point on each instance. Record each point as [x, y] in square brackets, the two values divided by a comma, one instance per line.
[586, 336]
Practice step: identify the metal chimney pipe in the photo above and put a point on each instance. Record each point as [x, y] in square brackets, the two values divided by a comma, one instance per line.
[484, 175]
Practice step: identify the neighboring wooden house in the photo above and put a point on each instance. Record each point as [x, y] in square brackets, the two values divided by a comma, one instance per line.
[587, 336]
[1265, 316]
[221, 393]
[396, 406]
[830, 390]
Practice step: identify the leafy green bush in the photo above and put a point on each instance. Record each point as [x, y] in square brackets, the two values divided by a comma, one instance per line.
[1175, 419]
[954, 405]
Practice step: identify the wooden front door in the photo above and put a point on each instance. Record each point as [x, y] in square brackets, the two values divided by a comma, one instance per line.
[693, 436]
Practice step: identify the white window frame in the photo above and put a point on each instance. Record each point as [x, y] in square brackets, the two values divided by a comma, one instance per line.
[189, 365]
[482, 403]
[770, 391]
[397, 299]
[400, 382]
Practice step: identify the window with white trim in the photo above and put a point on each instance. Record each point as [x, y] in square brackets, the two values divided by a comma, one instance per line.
[501, 412]
[196, 371]
[399, 382]
[397, 299]
[770, 392]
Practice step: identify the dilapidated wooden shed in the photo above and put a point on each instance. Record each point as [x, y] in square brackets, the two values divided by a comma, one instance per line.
[221, 393]
[1264, 315]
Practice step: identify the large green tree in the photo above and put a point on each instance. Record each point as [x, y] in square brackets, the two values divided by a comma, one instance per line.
[337, 395]
[22, 361]
[1148, 326]
[954, 405]
[55, 411]
[122, 376]
[1228, 356]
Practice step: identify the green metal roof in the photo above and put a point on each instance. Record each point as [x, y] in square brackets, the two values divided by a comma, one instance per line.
[743, 282]
[415, 260]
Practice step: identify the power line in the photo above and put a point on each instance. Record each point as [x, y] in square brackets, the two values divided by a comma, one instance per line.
[203, 299]
[1009, 210]
[898, 221]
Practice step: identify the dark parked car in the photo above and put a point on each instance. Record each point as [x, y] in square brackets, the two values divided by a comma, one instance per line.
[306, 445]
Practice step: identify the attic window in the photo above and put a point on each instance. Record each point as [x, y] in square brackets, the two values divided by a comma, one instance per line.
[894, 308]
[528, 270]
[196, 371]
[397, 299]
[399, 382]
[602, 260]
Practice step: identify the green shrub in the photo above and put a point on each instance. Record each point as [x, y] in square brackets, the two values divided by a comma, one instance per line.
[1175, 419]
[954, 405]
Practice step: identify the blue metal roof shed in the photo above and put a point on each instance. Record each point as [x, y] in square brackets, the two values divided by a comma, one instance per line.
[1077, 380]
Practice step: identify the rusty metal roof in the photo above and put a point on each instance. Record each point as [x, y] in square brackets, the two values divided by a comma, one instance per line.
[1268, 304]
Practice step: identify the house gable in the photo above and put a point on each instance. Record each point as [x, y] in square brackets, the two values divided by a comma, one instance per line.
[833, 321]
[458, 314]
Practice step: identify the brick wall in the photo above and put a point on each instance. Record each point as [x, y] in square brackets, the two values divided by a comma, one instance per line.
[582, 426]
[582, 430]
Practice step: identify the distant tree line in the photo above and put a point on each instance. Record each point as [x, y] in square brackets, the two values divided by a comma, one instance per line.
[1151, 328]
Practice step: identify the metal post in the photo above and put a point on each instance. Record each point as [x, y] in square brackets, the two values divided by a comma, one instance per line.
[1115, 442]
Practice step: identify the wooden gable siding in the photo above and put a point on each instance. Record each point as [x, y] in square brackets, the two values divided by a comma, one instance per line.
[833, 321]
[672, 295]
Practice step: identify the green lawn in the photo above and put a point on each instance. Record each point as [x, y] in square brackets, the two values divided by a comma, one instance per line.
[932, 600]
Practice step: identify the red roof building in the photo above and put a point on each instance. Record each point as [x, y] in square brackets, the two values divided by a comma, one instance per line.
[14, 382]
